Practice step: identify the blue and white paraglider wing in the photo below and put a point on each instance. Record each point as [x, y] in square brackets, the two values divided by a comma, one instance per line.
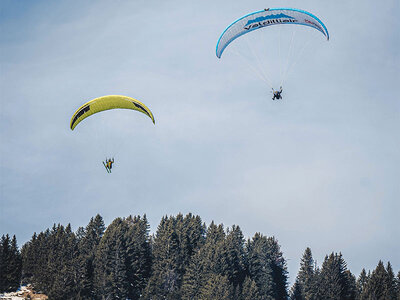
[267, 17]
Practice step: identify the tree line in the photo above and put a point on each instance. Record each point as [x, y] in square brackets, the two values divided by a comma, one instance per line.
[184, 259]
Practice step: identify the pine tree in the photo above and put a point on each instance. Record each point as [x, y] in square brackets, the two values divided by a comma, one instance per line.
[35, 260]
[167, 262]
[110, 272]
[279, 269]
[235, 256]
[217, 287]
[390, 286]
[209, 260]
[4, 254]
[88, 241]
[62, 264]
[250, 290]
[177, 240]
[138, 255]
[260, 265]
[335, 281]
[296, 292]
[376, 286]
[190, 231]
[361, 282]
[351, 286]
[318, 284]
[215, 250]
[306, 276]
[10, 264]
[194, 278]
[14, 265]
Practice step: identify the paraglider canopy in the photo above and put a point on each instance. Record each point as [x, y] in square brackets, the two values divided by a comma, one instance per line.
[267, 17]
[106, 103]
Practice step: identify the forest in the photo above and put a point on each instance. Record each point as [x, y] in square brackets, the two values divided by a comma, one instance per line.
[184, 259]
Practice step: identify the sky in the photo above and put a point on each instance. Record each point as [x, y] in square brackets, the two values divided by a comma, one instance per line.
[318, 169]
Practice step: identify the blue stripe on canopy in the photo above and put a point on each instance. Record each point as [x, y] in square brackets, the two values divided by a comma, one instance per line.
[264, 18]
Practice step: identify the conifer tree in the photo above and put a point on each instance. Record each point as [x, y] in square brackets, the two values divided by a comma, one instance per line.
[279, 269]
[194, 278]
[296, 292]
[110, 267]
[260, 265]
[37, 253]
[250, 290]
[214, 250]
[351, 286]
[4, 254]
[306, 276]
[15, 265]
[176, 241]
[361, 283]
[335, 283]
[209, 260]
[376, 286]
[217, 287]
[138, 255]
[235, 256]
[62, 263]
[192, 235]
[28, 260]
[167, 264]
[390, 292]
[88, 241]
[318, 284]
[10, 264]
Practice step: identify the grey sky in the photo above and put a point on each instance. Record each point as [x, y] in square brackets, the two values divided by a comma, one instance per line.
[319, 169]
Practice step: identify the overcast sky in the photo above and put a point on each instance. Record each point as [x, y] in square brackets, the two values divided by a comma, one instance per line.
[319, 169]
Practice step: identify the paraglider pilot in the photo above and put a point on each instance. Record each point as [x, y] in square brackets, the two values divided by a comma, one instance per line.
[277, 94]
[108, 164]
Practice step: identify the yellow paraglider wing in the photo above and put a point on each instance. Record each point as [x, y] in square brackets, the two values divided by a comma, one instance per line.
[106, 103]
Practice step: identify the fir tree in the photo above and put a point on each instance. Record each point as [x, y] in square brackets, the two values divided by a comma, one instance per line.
[194, 278]
[250, 290]
[318, 284]
[191, 233]
[296, 292]
[390, 291]
[37, 254]
[376, 286]
[334, 279]
[209, 260]
[260, 265]
[351, 286]
[28, 260]
[110, 273]
[15, 265]
[167, 262]
[138, 255]
[88, 241]
[215, 250]
[306, 276]
[10, 264]
[62, 264]
[4, 255]
[279, 269]
[235, 256]
[217, 287]
[361, 283]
